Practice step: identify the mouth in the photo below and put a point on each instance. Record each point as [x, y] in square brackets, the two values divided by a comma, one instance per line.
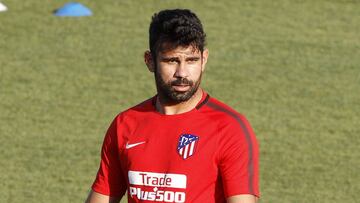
[181, 87]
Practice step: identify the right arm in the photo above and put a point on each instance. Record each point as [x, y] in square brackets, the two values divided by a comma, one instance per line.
[109, 185]
[95, 197]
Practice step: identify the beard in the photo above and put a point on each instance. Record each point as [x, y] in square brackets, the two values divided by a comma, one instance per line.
[169, 95]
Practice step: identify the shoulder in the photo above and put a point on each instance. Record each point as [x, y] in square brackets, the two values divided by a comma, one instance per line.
[139, 109]
[222, 113]
[236, 133]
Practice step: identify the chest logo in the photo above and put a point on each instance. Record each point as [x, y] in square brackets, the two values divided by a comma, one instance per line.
[187, 145]
[128, 146]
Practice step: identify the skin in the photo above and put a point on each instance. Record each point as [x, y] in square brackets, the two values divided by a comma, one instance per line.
[182, 62]
[95, 197]
[171, 65]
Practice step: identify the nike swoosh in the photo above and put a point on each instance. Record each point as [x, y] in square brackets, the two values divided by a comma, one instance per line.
[128, 146]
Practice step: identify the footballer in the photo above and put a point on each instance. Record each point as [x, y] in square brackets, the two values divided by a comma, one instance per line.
[181, 145]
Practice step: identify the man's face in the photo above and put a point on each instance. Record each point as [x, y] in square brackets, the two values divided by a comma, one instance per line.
[178, 73]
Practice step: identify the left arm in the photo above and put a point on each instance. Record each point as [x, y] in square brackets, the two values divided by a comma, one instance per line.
[242, 199]
[238, 164]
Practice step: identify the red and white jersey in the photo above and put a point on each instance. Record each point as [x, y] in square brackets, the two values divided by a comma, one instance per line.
[204, 155]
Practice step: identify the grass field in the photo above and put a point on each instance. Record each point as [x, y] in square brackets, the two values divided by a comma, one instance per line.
[292, 67]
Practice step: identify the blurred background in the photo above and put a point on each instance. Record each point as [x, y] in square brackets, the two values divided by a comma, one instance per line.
[292, 67]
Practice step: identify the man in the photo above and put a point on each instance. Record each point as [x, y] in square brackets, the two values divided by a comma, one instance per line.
[181, 145]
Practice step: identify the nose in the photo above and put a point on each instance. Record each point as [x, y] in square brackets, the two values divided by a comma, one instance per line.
[181, 71]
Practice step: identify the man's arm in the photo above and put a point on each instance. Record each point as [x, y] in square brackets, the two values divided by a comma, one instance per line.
[239, 162]
[242, 199]
[95, 197]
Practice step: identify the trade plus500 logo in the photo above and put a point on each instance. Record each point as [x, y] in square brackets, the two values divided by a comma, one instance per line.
[155, 180]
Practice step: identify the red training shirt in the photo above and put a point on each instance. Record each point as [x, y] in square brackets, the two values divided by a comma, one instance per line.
[204, 155]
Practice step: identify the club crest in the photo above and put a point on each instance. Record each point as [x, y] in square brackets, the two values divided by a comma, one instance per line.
[187, 144]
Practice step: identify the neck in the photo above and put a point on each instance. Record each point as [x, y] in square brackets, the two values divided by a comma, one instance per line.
[178, 108]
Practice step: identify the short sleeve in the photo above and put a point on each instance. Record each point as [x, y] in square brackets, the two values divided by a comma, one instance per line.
[109, 179]
[238, 158]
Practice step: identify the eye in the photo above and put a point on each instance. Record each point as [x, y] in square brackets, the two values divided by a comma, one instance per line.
[193, 60]
[172, 61]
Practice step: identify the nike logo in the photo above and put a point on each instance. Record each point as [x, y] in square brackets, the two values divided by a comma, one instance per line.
[128, 146]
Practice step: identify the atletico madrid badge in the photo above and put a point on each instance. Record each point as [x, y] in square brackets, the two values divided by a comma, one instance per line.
[187, 145]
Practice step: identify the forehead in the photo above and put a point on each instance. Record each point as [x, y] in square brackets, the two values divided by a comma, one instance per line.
[180, 50]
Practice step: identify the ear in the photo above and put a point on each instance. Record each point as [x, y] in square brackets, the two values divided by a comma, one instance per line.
[204, 58]
[149, 61]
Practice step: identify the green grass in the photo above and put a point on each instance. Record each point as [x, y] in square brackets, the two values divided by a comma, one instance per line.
[292, 67]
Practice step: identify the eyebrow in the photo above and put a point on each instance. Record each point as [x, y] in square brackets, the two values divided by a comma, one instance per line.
[193, 58]
[169, 58]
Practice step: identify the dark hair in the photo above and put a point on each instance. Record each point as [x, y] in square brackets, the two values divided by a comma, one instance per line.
[173, 28]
